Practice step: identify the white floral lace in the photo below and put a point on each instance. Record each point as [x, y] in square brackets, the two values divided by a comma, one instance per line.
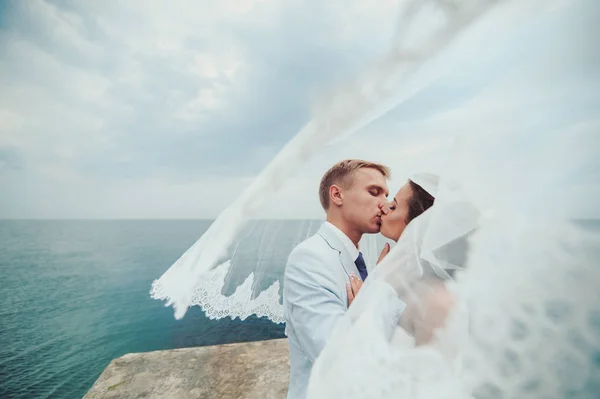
[240, 304]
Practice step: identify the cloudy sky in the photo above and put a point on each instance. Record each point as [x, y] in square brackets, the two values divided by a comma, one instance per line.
[156, 109]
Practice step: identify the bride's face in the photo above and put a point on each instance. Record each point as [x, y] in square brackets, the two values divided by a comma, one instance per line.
[393, 220]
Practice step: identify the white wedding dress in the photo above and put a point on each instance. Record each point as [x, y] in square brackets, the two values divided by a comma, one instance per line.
[380, 359]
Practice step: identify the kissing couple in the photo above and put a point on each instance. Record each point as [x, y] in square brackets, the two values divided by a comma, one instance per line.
[326, 272]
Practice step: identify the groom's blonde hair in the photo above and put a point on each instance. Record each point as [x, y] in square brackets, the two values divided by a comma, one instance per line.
[342, 174]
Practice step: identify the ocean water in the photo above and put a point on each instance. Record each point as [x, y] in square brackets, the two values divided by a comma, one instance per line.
[75, 295]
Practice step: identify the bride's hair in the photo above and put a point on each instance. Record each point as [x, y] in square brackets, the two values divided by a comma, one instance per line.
[419, 201]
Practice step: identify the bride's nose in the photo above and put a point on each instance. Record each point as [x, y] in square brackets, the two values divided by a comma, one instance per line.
[385, 208]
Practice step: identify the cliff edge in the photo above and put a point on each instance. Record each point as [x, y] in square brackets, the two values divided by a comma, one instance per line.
[245, 370]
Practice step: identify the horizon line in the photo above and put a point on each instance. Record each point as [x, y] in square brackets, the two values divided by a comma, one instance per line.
[149, 219]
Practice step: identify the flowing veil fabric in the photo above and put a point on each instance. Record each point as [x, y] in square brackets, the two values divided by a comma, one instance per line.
[514, 232]
[515, 236]
[212, 273]
[524, 282]
[517, 155]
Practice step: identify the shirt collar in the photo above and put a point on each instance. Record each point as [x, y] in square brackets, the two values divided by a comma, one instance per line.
[346, 241]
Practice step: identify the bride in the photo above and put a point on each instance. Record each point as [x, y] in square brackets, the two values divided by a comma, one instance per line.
[414, 198]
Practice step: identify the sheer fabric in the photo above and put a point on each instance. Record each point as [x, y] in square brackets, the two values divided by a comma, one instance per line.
[522, 114]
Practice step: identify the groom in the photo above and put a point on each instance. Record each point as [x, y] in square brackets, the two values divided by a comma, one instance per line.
[319, 270]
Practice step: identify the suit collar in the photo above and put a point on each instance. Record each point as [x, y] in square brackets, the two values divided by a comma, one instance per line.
[343, 241]
[336, 242]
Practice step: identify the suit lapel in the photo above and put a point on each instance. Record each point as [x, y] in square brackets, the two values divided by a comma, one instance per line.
[334, 242]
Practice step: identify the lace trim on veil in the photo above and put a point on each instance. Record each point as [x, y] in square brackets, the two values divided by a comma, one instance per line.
[240, 304]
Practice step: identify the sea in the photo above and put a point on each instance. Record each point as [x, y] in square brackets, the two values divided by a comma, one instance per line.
[75, 295]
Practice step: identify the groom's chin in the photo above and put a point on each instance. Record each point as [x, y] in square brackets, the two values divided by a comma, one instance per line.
[374, 229]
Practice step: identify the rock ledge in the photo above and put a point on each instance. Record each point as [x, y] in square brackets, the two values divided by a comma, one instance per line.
[246, 370]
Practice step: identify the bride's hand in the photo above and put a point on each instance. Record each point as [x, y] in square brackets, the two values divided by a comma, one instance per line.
[384, 252]
[353, 287]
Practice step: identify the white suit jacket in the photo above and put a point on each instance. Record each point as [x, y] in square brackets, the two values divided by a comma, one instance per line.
[314, 298]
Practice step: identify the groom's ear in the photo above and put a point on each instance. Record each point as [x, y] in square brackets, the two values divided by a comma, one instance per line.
[335, 195]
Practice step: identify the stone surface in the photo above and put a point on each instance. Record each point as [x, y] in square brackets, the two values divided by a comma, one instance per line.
[247, 370]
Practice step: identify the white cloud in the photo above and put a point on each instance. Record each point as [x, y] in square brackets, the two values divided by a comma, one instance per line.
[177, 105]
[106, 97]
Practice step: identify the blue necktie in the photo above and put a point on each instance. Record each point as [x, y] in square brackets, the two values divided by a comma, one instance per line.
[361, 266]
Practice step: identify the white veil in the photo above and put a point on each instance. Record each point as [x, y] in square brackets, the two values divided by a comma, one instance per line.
[235, 268]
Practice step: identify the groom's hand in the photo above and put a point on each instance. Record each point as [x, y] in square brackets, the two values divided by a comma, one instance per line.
[384, 252]
[353, 287]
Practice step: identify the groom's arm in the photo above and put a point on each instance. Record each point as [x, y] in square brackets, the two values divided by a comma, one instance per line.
[314, 306]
